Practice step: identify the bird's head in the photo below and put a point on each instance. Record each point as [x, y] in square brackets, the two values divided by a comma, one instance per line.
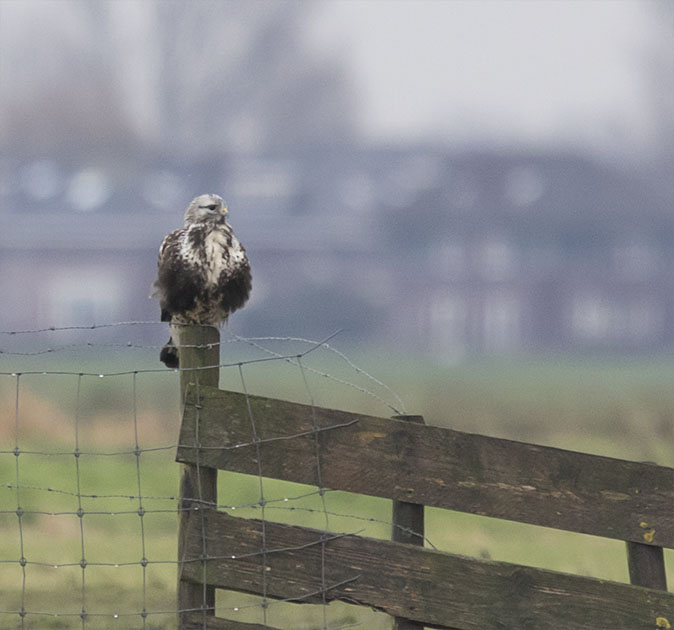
[206, 208]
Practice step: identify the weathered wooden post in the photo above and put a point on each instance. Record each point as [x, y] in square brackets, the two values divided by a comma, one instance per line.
[198, 348]
[646, 565]
[646, 562]
[408, 527]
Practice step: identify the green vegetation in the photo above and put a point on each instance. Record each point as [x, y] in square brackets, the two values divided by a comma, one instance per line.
[618, 408]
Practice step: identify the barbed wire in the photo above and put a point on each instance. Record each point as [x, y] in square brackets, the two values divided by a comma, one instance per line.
[28, 506]
[218, 506]
[83, 327]
[398, 407]
[294, 360]
[140, 346]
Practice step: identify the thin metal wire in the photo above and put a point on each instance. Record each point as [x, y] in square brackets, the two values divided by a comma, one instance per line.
[178, 510]
[226, 556]
[85, 327]
[235, 364]
[319, 484]
[362, 390]
[340, 354]
[298, 598]
[90, 345]
[368, 519]
[269, 551]
[252, 341]
[19, 509]
[276, 438]
[140, 346]
[80, 511]
[95, 453]
[228, 447]
[94, 326]
[11, 486]
[202, 515]
[262, 501]
[143, 508]
[84, 495]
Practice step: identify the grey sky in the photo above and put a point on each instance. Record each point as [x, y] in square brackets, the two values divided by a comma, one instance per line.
[530, 71]
[458, 72]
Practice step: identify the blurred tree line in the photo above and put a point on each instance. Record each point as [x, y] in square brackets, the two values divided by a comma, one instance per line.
[96, 79]
[100, 80]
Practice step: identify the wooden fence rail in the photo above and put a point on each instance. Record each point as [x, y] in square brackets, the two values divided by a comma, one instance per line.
[417, 465]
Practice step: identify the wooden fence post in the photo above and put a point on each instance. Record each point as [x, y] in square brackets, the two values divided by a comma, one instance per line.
[199, 347]
[408, 527]
[646, 563]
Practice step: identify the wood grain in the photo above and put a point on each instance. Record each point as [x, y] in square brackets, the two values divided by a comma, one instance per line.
[198, 484]
[435, 467]
[437, 589]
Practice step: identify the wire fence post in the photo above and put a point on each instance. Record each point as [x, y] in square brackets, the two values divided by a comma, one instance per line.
[408, 527]
[199, 347]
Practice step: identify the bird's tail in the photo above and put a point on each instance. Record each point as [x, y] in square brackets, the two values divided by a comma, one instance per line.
[169, 354]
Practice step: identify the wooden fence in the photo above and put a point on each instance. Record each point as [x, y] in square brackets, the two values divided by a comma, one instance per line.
[414, 465]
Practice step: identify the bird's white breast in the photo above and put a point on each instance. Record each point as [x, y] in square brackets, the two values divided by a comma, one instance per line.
[187, 254]
[221, 257]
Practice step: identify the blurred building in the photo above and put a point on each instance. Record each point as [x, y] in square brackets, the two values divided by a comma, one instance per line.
[422, 249]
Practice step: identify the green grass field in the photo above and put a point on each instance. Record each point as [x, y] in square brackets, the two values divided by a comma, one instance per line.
[619, 408]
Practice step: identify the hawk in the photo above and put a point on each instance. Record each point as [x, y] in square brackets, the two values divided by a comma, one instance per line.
[203, 271]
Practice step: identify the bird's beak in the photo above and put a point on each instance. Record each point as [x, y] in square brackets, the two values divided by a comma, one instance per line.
[223, 210]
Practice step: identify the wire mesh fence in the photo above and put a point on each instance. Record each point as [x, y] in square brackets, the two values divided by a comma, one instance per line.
[89, 487]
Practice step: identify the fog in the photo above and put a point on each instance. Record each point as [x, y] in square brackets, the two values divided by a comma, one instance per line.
[447, 178]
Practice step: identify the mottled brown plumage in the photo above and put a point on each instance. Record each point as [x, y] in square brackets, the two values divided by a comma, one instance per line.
[203, 271]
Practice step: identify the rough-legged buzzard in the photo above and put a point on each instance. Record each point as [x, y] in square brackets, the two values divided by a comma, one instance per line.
[204, 275]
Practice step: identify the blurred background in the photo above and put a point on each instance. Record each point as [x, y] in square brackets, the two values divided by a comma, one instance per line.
[479, 195]
[444, 178]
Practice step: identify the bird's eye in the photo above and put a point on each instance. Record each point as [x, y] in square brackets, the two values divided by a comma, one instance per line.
[211, 206]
